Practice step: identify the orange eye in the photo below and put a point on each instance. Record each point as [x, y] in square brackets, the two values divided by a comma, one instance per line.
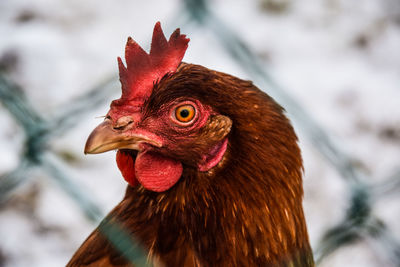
[185, 113]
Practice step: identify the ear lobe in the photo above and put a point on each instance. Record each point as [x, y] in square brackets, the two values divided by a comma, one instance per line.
[215, 132]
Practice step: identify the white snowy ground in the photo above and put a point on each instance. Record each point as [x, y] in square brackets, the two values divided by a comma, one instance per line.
[339, 58]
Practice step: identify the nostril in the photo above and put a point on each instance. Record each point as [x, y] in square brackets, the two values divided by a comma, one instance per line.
[123, 122]
[119, 127]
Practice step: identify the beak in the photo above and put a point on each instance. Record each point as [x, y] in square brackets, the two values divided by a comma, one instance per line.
[105, 138]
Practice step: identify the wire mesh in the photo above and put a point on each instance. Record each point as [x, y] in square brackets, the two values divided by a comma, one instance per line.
[359, 221]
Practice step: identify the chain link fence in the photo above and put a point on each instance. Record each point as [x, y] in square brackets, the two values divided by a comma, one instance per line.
[359, 222]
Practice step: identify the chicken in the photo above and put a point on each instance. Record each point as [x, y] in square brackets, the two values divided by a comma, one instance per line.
[212, 163]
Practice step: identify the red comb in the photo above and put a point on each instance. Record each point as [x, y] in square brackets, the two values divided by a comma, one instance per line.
[143, 70]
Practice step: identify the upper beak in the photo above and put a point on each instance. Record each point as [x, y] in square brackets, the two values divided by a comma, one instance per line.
[105, 138]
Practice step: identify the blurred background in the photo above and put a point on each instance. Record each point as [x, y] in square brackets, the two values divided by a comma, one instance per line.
[333, 64]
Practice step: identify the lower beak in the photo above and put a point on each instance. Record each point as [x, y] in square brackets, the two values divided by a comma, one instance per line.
[105, 138]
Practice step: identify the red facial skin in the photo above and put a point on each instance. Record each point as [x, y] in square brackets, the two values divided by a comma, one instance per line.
[153, 167]
[164, 123]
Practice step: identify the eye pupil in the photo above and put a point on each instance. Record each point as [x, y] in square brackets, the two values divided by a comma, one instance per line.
[184, 113]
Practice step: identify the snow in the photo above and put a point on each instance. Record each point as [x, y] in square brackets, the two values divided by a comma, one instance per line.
[339, 59]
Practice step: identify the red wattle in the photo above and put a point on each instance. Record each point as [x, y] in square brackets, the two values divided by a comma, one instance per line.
[126, 164]
[157, 172]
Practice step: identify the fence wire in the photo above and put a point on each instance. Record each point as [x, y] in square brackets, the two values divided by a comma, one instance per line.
[359, 223]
